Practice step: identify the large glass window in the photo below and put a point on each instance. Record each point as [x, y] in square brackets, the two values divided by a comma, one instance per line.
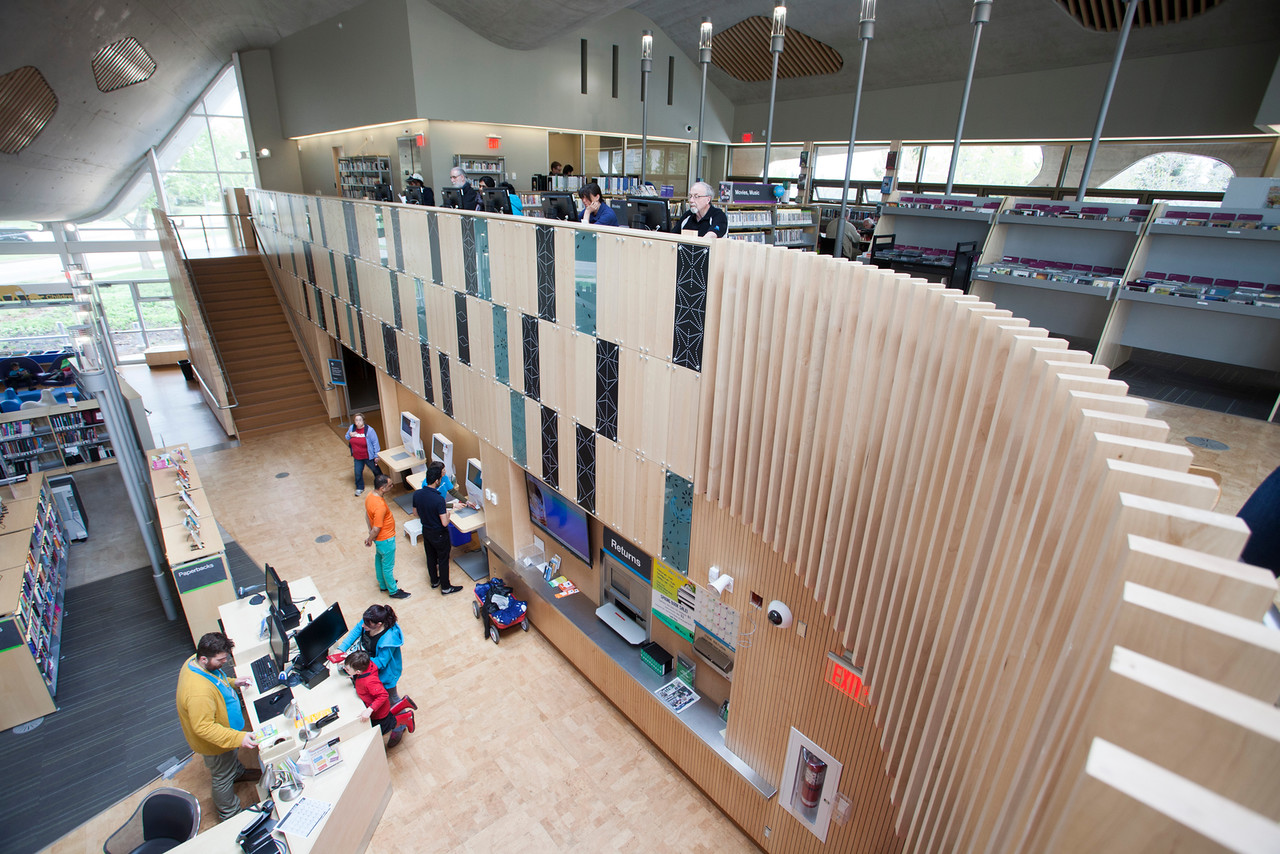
[1173, 170]
[989, 165]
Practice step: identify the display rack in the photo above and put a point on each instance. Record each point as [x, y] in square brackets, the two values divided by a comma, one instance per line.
[1201, 283]
[752, 223]
[478, 165]
[61, 437]
[1058, 264]
[33, 575]
[358, 174]
[796, 227]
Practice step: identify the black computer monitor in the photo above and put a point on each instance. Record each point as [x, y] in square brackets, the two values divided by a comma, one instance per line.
[559, 206]
[451, 197]
[277, 640]
[648, 213]
[496, 200]
[315, 638]
[281, 601]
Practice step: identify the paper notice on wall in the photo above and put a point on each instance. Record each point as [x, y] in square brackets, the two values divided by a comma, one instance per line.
[674, 596]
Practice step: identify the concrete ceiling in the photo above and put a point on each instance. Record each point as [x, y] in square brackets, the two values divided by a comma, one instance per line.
[96, 141]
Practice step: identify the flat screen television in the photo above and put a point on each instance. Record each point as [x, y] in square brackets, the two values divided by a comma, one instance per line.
[559, 517]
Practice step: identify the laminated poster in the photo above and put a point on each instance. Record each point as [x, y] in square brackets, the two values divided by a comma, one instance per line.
[674, 596]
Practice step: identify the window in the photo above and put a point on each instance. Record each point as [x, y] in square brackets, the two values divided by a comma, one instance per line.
[1173, 170]
[989, 165]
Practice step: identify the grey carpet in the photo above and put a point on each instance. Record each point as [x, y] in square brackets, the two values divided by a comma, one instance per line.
[1232, 389]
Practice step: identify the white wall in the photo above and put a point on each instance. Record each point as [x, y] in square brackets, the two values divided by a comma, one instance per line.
[1206, 92]
[525, 149]
[316, 153]
[281, 171]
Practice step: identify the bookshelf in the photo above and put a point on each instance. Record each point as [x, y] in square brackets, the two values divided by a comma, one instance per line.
[33, 575]
[477, 165]
[358, 174]
[1058, 264]
[927, 229]
[60, 437]
[796, 227]
[753, 223]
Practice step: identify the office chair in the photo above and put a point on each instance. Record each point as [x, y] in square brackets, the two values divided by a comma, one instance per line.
[164, 820]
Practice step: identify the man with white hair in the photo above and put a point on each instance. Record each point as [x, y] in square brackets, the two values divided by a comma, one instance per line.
[703, 218]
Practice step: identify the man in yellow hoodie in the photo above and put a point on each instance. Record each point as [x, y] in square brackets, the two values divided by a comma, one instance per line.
[212, 719]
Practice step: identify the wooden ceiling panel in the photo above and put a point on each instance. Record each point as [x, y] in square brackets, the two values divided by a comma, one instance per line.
[26, 105]
[743, 52]
[1107, 15]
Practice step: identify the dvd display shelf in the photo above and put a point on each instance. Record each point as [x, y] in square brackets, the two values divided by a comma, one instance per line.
[193, 546]
[787, 226]
[1204, 284]
[927, 232]
[33, 575]
[1058, 264]
[477, 165]
[61, 437]
[359, 174]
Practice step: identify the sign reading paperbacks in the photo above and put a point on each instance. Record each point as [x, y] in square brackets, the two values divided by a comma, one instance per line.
[846, 679]
[192, 576]
[629, 555]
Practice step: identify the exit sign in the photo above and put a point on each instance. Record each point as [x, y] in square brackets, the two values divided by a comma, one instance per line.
[846, 679]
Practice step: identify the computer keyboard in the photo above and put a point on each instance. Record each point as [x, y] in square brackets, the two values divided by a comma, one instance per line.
[265, 674]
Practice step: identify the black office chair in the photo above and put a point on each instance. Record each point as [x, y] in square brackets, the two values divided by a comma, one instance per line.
[165, 819]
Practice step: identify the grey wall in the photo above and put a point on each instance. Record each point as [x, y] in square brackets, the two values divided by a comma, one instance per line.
[1207, 92]
[462, 76]
[280, 171]
[525, 149]
[352, 70]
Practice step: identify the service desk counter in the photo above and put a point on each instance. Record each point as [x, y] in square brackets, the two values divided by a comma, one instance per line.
[242, 621]
[702, 718]
[358, 791]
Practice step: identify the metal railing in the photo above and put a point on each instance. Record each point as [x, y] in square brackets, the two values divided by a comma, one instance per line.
[204, 321]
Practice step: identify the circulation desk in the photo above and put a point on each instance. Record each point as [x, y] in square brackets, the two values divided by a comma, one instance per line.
[359, 790]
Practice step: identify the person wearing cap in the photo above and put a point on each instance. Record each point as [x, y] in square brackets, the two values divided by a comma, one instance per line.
[417, 192]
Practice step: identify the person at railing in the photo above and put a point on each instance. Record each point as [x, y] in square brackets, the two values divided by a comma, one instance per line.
[517, 206]
[416, 191]
[703, 218]
[470, 198]
[594, 208]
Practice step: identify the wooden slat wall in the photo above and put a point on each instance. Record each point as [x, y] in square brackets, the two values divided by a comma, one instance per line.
[972, 510]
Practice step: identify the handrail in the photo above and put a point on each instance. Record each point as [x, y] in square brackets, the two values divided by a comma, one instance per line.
[204, 320]
[289, 317]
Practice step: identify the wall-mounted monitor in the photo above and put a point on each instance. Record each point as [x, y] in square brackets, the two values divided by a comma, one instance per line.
[559, 517]
[475, 484]
[411, 433]
[442, 451]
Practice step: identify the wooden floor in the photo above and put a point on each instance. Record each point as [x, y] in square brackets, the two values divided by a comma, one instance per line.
[514, 748]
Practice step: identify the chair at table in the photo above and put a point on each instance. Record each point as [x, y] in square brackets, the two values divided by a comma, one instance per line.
[164, 820]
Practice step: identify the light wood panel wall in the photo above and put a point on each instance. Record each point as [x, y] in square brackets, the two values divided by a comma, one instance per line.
[977, 516]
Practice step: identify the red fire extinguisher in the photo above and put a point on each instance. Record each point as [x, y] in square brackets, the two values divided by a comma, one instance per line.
[813, 775]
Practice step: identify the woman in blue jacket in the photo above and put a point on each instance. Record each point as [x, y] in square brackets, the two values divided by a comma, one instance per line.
[363, 442]
[380, 637]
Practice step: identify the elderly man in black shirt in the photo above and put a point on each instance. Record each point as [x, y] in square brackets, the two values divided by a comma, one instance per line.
[704, 218]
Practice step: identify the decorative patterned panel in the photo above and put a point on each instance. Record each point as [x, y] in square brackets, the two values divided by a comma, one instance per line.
[519, 439]
[324, 238]
[460, 315]
[584, 282]
[607, 389]
[310, 262]
[306, 303]
[501, 362]
[428, 391]
[484, 284]
[364, 343]
[531, 372]
[691, 305]
[546, 240]
[586, 468]
[353, 282]
[395, 299]
[380, 230]
[433, 232]
[391, 351]
[324, 325]
[550, 447]
[677, 521]
[395, 238]
[419, 289]
[353, 235]
[446, 388]
[469, 255]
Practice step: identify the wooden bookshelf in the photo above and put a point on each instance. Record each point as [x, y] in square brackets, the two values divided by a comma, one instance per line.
[54, 438]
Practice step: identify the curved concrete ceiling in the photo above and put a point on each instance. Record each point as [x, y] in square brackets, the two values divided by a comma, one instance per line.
[96, 140]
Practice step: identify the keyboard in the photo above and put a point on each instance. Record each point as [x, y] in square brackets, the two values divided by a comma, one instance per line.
[265, 675]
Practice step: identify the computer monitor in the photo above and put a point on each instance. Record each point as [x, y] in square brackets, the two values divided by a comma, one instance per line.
[411, 433]
[442, 452]
[281, 601]
[559, 206]
[451, 197]
[649, 214]
[475, 484]
[277, 640]
[496, 201]
[315, 638]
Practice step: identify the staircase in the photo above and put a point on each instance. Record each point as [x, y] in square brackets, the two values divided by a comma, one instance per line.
[264, 366]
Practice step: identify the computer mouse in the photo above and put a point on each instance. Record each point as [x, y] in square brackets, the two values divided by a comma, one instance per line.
[257, 600]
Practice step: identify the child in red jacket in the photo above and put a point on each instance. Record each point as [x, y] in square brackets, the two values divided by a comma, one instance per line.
[378, 709]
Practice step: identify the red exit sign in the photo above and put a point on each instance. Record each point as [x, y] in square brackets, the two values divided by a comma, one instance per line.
[846, 679]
